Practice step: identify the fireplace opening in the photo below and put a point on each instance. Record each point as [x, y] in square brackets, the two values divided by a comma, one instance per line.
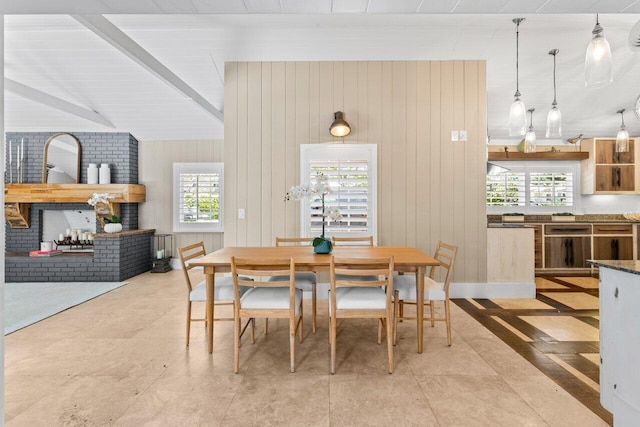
[76, 227]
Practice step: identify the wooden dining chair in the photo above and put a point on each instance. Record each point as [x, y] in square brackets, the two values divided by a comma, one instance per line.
[405, 290]
[266, 299]
[353, 241]
[352, 297]
[223, 294]
[305, 280]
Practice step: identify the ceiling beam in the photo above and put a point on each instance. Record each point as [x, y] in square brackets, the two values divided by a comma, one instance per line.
[40, 97]
[118, 39]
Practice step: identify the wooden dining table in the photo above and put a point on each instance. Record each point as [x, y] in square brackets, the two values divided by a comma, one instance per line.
[406, 259]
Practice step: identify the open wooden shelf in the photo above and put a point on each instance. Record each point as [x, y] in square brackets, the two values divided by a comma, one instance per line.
[72, 193]
[545, 155]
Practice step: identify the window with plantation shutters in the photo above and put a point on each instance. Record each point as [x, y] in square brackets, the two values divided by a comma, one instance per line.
[533, 188]
[197, 197]
[350, 170]
[506, 189]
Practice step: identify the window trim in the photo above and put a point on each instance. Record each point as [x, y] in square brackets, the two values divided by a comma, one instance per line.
[540, 167]
[369, 152]
[193, 167]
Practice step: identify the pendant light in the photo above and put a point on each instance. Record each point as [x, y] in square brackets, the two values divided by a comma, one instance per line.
[622, 140]
[530, 137]
[554, 118]
[517, 112]
[598, 67]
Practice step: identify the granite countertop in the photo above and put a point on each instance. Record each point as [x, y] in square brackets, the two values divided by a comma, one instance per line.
[586, 218]
[629, 266]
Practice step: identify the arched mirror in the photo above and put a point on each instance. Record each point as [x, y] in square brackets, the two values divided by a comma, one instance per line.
[61, 159]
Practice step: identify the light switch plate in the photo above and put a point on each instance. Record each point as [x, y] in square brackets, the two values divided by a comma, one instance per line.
[454, 135]
[240, 213]
[463, 135]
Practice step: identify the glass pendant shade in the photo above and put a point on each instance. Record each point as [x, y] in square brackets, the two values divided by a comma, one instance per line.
[598, 66]
[517, 118]
[554, 122]
[622, 139]
[530, 137]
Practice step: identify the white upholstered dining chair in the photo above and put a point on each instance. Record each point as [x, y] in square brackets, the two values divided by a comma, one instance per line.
[353, 296]
[305, 280]
[266, 298]
[223, 294]
[405, 290]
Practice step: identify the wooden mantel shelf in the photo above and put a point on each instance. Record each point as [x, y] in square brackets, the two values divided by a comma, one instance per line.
[545, 155]
[72, 193]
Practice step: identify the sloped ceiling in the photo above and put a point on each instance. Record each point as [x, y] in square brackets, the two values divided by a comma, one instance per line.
[57, 55]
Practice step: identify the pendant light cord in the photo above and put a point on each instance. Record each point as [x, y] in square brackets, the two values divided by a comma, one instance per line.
[554, 79]
[517, 56]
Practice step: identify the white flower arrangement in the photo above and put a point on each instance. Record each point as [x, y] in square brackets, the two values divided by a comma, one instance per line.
[317, 189]
[100, 198]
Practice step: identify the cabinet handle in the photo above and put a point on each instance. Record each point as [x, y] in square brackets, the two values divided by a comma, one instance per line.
[566, 252]
[613, 177]
[618, 174]
[615, 249]
[571, 259]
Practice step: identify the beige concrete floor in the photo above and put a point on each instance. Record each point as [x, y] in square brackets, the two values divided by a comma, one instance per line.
[120, 359]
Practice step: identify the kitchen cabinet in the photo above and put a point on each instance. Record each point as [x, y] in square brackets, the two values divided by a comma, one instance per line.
[613, 241]
[608, 172]
[567, 252]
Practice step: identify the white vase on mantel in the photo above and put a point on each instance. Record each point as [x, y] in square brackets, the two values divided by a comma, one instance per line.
[92, 174]
[113, 228]
[105, 174]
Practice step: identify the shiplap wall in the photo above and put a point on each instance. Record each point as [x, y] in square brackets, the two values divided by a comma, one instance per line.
[429, 187]
[156, 160]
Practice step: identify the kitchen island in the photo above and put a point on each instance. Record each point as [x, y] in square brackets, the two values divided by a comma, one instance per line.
[620, 340]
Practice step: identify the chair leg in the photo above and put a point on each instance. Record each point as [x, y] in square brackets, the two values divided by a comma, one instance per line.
[236, 343]
[301, 321]
[380, 323]
[292, 343]
[253, 330]
[332, 340]
[431, 309]
[401, 311]
[266, 326]
[188, 321]
[396, 305]
[388, 321]
[313, 308]
[447, 315]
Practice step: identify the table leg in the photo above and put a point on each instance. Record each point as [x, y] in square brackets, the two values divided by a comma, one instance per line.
[209, 308]
[420, 272]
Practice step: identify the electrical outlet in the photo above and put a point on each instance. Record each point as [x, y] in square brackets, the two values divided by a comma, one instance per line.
[454, 135]
[240, 213]
[463, 135]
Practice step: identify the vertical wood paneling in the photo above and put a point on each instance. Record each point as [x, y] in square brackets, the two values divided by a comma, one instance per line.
[385, 161]
[429, 188]
[253, 212]
[350, 96]
[397, 149]
[231, 153]
[278, 148]
[242, 155]
[423, 153]
[266, 193]
[290, 161]
[434, 181]
[411, 188]
[156, 160]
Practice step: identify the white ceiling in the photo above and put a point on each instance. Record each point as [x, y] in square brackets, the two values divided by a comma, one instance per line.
[59, 56]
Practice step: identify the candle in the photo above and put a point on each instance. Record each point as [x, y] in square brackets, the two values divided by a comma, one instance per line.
[18, 158]
[60, 237]
[67, 232]
[90, 237]
[74, 237]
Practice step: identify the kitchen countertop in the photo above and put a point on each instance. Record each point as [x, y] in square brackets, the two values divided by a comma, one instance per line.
[509, 225]
[586, 218]
[630, 266]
